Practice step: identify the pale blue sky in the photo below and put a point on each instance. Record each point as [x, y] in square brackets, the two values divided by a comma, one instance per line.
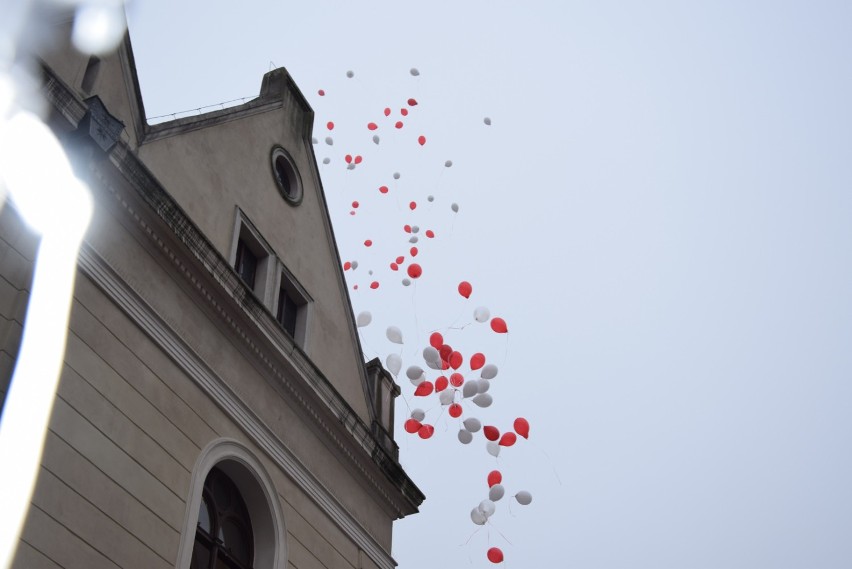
[661, 211]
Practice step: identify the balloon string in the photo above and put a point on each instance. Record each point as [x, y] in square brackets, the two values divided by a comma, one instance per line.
[549, 461]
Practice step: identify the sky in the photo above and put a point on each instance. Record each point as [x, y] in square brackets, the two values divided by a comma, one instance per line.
[660, 210]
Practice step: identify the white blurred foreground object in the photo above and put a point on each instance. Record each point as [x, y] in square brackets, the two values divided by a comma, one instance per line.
[58, 206]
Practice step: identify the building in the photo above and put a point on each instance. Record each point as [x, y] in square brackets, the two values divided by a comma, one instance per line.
[214, 407]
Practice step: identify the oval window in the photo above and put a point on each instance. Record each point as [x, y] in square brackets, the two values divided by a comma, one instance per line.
[286, 176]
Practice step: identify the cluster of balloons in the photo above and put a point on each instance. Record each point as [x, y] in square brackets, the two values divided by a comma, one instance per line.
[444, 380]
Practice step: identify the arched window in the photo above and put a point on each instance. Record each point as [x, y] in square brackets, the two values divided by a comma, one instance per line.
[223, 537]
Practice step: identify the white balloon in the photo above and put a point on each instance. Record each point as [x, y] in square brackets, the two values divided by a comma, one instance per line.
[364, 318]
[523, 497]
[376, 138]
[350, 74]
[431, 354]
[481, 314]
[414, 372]
[329, 140]
[465, 437]
[470, 389]
[415, 228]
[448, 163]
[406, 282]
[430, 198]
[370, 272]
[396, 175]
[477, 516]
[482, 385]
[414, 71]
[350, 166]
[326, 160]
[487, 120]
[418, 414]
[447, 396]
[413, 239]
[354, 265]
[435, 365]
[493, 448]
[394, 363]
[455, 207]
[472, 424]
[488, 372]
[394, 334]
[483, 400]
[314, 140]
[487, 507]
[496, 492]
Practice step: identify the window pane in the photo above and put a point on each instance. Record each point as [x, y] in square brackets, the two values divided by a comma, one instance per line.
[235, 541]
[287, 310]
[204, 517]
[246, 264]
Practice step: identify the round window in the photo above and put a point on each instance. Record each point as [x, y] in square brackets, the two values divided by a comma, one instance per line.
[286, 176]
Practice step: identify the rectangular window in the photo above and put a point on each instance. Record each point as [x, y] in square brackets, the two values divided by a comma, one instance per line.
[287, 312]
[246, 264]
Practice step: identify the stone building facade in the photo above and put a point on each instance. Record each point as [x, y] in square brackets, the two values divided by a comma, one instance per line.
[214, 407]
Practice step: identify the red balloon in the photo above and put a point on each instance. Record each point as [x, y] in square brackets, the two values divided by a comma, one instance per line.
[477, 360]
[465, 289]
[441, 383]
[374, 285]
[425, 389]
[522, 427]
[412, 102]
[412, 206]
[412, 426]
[494, 477]
[499, 325]
[351, 213]
[430, 234]
[354, 287]
[508, 439]
[383, 189]
[387, 111]
[495, 555]
[368, 243]
[321, 93]
[372, 126]
[398, 124]
[358, 159]
[413, 251]
[330, 125]
[406, 228]
[414, 271]
[491, 433]
[348, 158]
[399, 260]
[456, 379]
[436, 340]
[355, 204]
[455, 410]
[426, 431]
[347, 265]
[445, 350]
[456, 360]
[421, 139]
[403, 112]
[394, 267]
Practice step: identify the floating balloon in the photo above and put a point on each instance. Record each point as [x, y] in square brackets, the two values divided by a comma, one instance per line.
[445, 350]
[326, 160]
[329, 125]
[398, 124]
[493, 448]
[431, 354]
[394, 363]
[415, 228]
[412, 426]
[412, 102]
[358, 159]
[426, 431]
[436, 340]
[482, 385]
[483, 400]
[394, 267]
[412, 206]
[348, 158]
[374, 285]
[488, 372]
[524, 498]
[347, 265]
[355, 204]
[396, 175]
[476, 515]
[472, 424]
[413, 251]
[431, 198]
[414, 372]
[414, 71]
[368, 243]
[470, 389]
[383, 189]
[421, 140]
[418, 414]
[376, 139]
[499, 325]
[430, 234]
[456, 360]
[447, 396]
[350, 74]
[481, 314]
[314, 140]
[491, 433]
[387, 111]
[403, 111]
[414, 271]
[364, 318]
[354, 265]
[426, 388]
[496, 492]
[329, 141]
[406, 228]
[495, 555]
[394, 334]
[494, 477]
[455, 207]
[465, 437]
[477, 360]
[321, 93]
[406, 282]
[350, 166]
[465, 289]
[448, 164]
[456, 380]
[522, 427]
[372, 126]
[508, 439]
[399, 261]
[455, 410]
[441, 383]
[487, 507]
